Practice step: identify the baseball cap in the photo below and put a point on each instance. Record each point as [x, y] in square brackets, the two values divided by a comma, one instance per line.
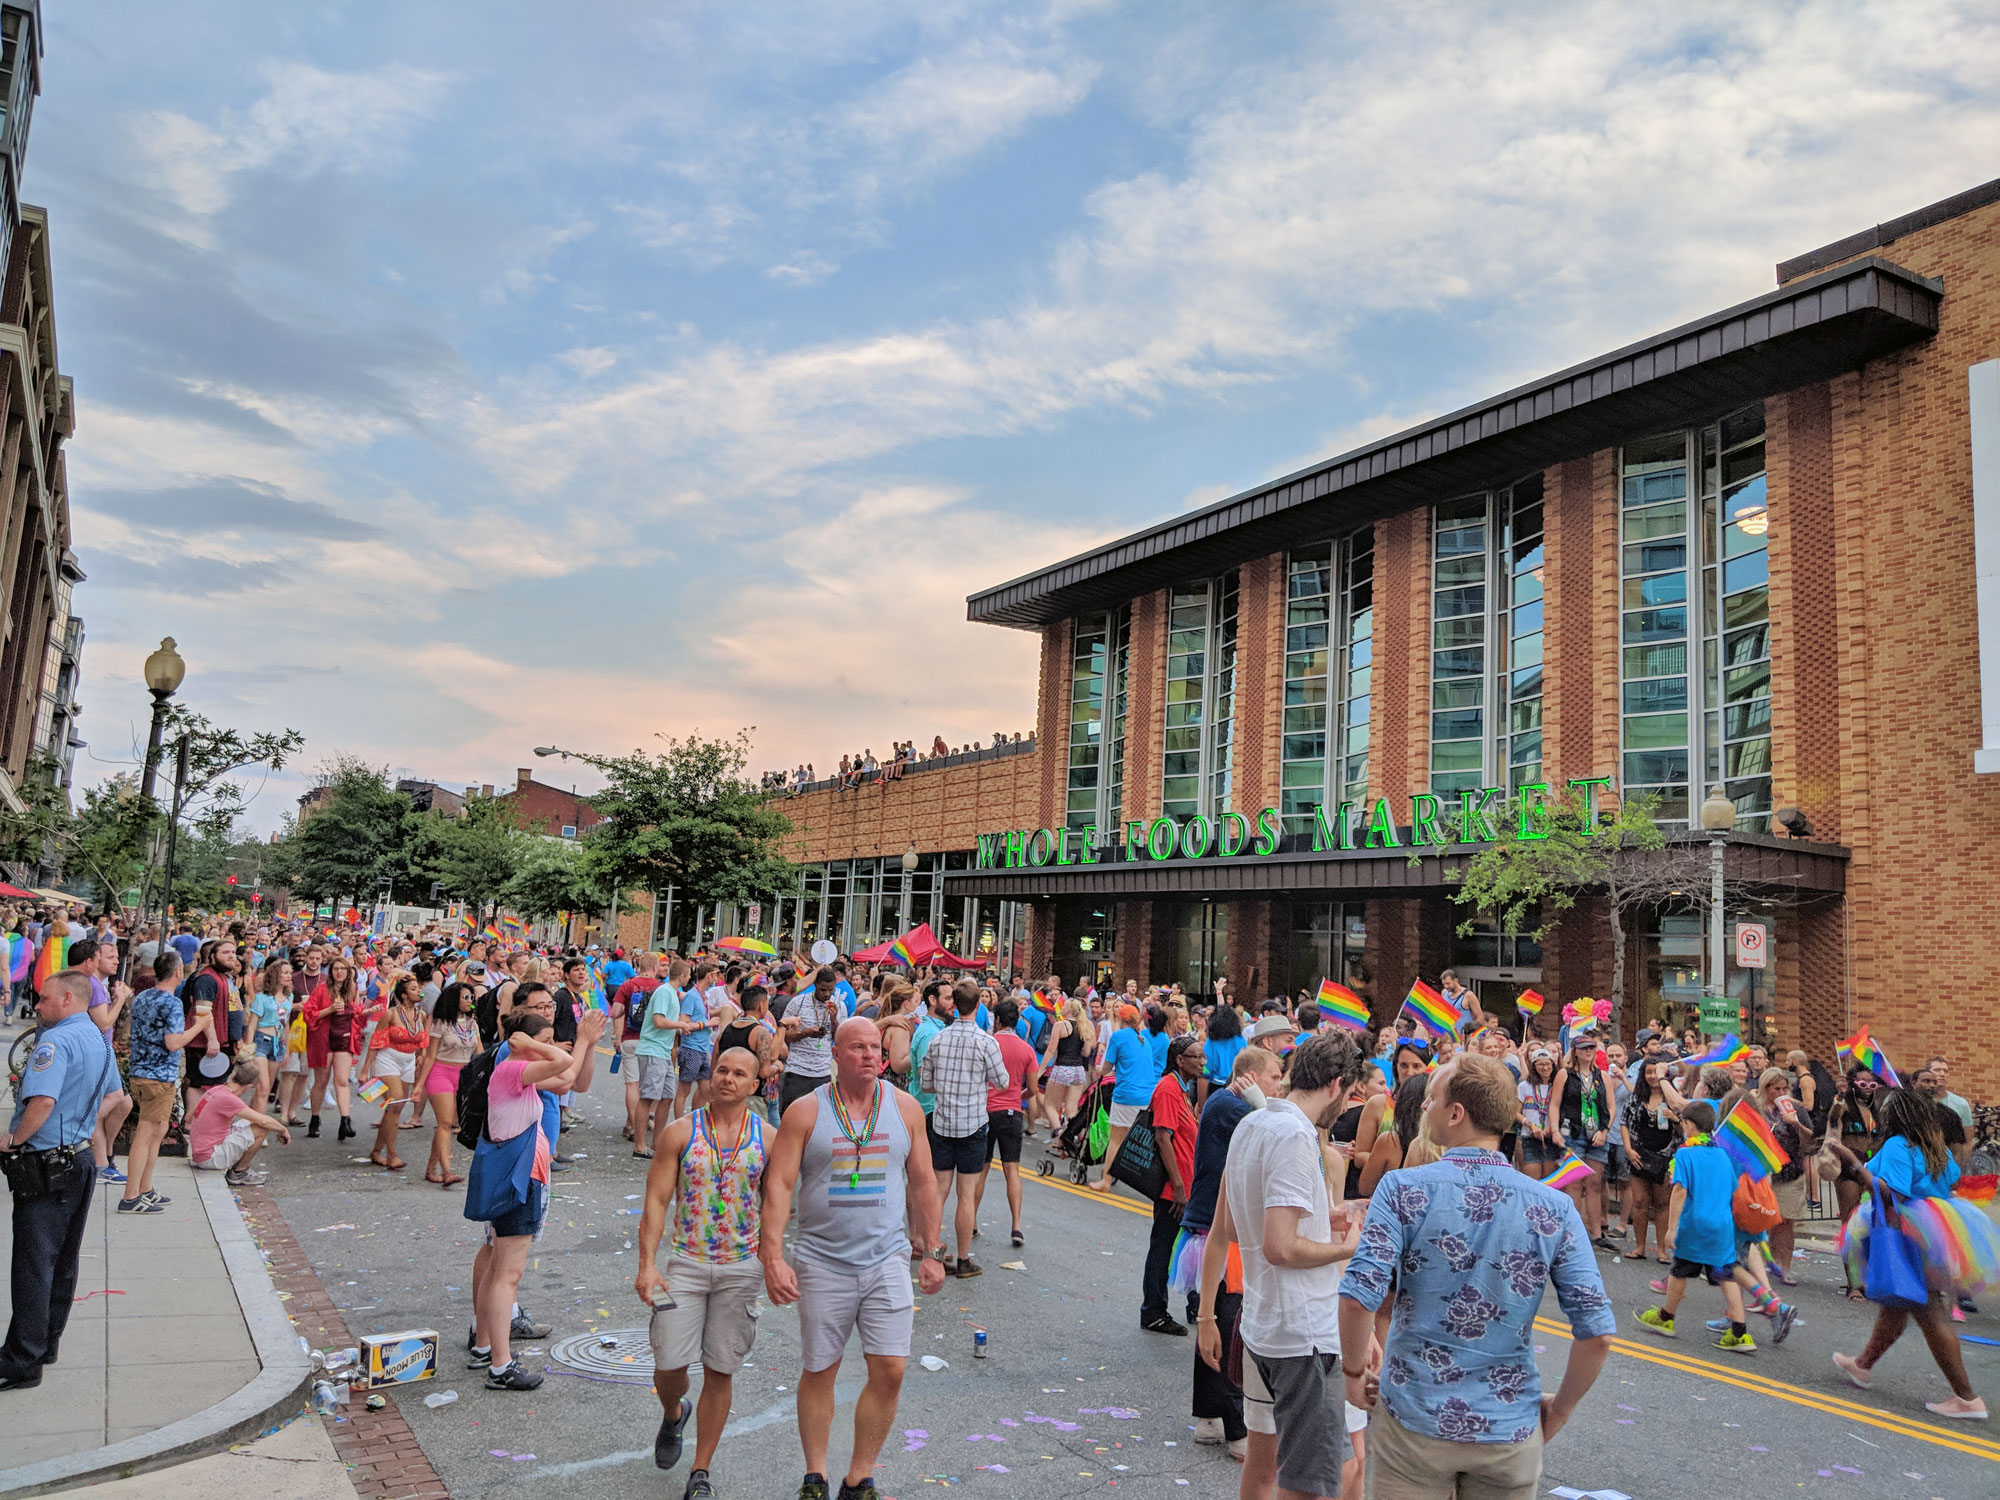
[1643, 1037]
[1273, 1026]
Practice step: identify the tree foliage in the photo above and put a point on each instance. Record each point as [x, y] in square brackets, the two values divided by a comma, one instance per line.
[350, 838]
[689, 817]
[108, 837]
[210, 803]
[553, 878]
[473, 855]
[1526, 884]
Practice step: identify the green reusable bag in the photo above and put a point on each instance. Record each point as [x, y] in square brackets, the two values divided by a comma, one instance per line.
[1100, 1131]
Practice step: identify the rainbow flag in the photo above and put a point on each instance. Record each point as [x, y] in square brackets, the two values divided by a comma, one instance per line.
[1045, 1002]
[1432, 1010]
[1530, 1002]
[1569, 1172]
[1747, 1137]
[1977, 1187]
[490, 933]
[1342, 1006]
[514, 927]
[900, 952]
[1863, 1049]
[20, 956]
[54, 957]
[1730, 1049]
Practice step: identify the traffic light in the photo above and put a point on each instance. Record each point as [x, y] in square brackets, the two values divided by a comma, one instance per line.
[232, 880]
[255, 898]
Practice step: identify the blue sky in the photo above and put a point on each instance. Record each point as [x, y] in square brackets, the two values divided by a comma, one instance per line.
[457, 378]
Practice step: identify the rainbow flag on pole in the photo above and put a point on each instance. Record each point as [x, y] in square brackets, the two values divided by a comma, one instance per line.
[1342, 1006]
[54, 957]
[1570, 1171]
[900, 952]
[514, 927]
[1530, 1002]
[1864, 1050]
[1730, 1049]
[490, 932]
[1747, 1136]
[1432, 1010]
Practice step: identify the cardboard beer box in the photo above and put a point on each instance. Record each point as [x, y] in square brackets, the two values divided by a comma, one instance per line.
[398, 1358]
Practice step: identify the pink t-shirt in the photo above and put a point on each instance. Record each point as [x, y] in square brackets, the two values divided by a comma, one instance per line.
[212, 1118]
[512, 1106]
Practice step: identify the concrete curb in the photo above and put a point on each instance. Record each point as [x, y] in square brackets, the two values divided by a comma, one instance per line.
[278, 1389]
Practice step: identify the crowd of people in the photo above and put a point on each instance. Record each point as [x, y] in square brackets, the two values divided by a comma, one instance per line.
[857, 768]
[1391, 1199]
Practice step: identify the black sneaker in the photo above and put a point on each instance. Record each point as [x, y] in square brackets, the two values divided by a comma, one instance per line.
[478, 1359]
[667, 1443]
[863, 1491]
[813, 1487]
[525, 1327]
[698, 1486]
[1165, 1323]
[513, 1378]
[471, 1337]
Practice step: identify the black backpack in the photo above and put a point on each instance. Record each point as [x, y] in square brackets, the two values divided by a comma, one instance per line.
[472, 1081]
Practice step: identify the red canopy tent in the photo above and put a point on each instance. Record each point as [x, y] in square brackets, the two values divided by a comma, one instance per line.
[14, 892]
[924, 949]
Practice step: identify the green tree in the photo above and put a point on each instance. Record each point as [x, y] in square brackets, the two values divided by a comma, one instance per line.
[1526, 884]
[553, 878]
[474, 854]
[351, 838]
[36, 836]
[109, 836]
[688, 817]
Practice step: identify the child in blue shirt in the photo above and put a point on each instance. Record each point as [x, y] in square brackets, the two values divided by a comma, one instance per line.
[1701, 1229]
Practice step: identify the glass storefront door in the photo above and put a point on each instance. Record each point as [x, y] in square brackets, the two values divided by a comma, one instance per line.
[1199, 950]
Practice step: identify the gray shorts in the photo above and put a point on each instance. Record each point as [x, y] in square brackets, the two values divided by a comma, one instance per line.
[1299, 1398]
[833, 1302]
[656, 1077]
[716, 1321]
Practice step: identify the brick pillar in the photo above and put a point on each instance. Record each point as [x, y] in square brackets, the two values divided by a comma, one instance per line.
[1399, 707]
[1569, 656]
[1805, 665]
[1395, 955]
[1052, 726]
[1260, 683]
[1251, 947]
[1812, 1009]
[1041, 938]
[1576, 961]
[1135, 941]
[1145, 710]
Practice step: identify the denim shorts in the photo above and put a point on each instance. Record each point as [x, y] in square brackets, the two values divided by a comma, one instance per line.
[267, 1046]
[526, 1219]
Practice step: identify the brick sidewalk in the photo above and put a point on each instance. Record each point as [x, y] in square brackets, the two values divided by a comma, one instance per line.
[378, 1447]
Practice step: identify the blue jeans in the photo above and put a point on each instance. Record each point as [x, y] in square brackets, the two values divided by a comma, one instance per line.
[48, 1238]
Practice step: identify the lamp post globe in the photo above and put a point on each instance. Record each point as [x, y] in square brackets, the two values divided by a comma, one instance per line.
[1718, 813]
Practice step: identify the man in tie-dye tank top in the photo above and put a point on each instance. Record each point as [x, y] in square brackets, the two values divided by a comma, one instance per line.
[703, 1187]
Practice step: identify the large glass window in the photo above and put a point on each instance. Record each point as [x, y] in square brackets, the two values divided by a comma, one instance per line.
[1329, 625]
[1458, 645]
[1720, 547]
[1329, 941]
[1088, 656]
[1653, 637]
[1116, 689]
[1198, 758]
[1486, 639]
[1519, 676]
[1736, 615]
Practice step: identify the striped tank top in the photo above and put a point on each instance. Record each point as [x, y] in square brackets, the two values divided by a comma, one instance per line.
[716, 1212]
[852, 1208]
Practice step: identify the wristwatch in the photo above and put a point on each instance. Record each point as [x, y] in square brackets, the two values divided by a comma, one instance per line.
[938, 1255]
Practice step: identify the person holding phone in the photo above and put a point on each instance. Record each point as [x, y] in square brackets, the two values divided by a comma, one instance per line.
[1792, 1127]
[809, 1024]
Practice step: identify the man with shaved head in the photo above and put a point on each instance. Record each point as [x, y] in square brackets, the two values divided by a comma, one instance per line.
[848, 1147]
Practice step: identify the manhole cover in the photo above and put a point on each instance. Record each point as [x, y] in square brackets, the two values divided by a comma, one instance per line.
[631, 1357]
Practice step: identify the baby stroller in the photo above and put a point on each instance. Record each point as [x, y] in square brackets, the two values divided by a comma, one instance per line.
[1075, 1144]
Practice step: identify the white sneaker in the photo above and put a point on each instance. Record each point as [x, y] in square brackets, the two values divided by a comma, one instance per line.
[1208, 1430]
[1239, 1449]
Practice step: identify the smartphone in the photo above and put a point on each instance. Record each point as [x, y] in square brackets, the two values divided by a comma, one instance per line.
[663, 1300]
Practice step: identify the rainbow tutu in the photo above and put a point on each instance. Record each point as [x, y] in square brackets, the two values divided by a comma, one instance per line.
[1184, 1265]
[1959, 1243]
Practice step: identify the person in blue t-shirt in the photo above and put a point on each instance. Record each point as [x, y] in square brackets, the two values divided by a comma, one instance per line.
[1701, 1229]
[1128, 1057]
[1034, 1023]
[617, 972]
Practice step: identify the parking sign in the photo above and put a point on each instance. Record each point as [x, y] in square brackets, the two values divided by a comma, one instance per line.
[1750, 940]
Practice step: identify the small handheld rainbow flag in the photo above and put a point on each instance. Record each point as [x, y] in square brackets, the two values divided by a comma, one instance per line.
[54, 957]
[1864, 1050]
[900, 952]
[1747, 1137]
[514, 927]
[1043, 1001]
[1730, 1049]
[1570, 1171]
[1432, 1010]
[490, 932]
[1342, 1006]
[1530, 1002]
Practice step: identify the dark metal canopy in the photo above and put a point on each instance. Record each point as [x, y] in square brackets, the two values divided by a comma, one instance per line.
[1752, 862]
[1822, 326]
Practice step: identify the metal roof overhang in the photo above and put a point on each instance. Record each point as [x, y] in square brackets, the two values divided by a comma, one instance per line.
[1825, 325]
[1754, 863]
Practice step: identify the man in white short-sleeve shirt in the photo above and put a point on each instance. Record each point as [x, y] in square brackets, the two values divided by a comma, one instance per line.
[1274, 1205]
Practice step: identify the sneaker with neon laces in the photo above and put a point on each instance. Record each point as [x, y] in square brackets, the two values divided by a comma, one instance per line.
[1655, 1321]
[1737, 1343]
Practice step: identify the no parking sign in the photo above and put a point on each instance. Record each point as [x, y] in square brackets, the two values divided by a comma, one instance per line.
[1751, 938]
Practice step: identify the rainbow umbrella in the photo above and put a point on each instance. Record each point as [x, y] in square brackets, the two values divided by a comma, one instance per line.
[747, 945]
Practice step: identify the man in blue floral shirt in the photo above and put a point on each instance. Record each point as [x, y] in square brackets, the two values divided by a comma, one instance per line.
[1471, 1245]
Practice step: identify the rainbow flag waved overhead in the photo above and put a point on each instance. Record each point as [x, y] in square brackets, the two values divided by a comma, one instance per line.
[1863, 1050]
[1432, 1010]
[1730, 1049]
[900, 952]
[54, 957]
[1570, 1171]
[1342, 1006]
[1530, 1002]
[514, 927]
[490, 933]
[1747, 1137]
[20, 957]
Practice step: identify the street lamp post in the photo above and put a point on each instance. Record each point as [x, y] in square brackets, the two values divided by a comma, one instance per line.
[174, 822]
[1718, 816]
[163, 672]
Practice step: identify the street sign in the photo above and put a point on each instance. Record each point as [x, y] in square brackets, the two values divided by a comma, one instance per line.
[1719, 1015]
[1750, 940]
[756, 914]
[129, 896]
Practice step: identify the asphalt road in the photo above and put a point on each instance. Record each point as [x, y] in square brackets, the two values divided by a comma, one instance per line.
[1073, 1397]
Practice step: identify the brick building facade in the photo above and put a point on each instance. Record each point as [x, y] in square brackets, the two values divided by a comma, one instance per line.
[1739, 554]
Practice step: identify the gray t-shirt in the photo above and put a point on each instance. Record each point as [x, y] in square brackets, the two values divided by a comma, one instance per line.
[853, 1213]
[812, 1056]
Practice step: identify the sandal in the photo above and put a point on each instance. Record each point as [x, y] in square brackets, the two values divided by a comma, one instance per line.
[372, 1156]
[396, 1165]
[1855, 1294]
[451, 1181]
[643, 1155]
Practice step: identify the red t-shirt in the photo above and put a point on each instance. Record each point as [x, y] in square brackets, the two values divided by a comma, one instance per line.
[634, 994]
[1020, 1060]
[1171, 1112]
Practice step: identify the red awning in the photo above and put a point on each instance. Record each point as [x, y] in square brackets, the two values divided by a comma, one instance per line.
[15, 892]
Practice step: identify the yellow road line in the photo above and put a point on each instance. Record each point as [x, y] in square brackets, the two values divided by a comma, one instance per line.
[1110, 1200]
[1798, 1396]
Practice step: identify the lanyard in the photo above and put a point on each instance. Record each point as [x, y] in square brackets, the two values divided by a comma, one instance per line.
[846, 1123]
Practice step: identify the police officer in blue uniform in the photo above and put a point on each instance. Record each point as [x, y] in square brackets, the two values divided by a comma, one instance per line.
[67, 1077]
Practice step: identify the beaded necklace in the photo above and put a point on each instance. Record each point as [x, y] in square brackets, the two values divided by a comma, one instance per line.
[846, 1123]
[715, 1149]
